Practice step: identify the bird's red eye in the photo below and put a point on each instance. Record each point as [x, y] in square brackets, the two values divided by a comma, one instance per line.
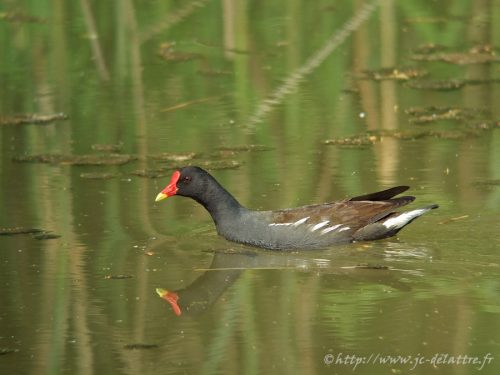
[186, 179]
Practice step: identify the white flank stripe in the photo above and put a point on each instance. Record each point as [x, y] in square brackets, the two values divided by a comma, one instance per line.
[301, 221]
[329, 229]
[403, 219]
[345, 228]
[319, 225]
[279, 224]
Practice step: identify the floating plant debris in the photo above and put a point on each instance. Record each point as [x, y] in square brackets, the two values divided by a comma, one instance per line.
[38, 234]
[399, 74]
[174, 157]
[223, 154]
[452, 134]
[410, 135]
[431, 114]
[107, 147]
[4, 351]
[354, 141]
[439, 85]
[117, 277]
[475, 55]
[109, 159]
[99, 175]
[32, 118]
[429, 49]
[250, 147]
[372, 137]
[367, 266]
[18, 230]
[485, 125]
[153, 173]
[233, 151]
[219, 164]
[45, 236]
[140, 346]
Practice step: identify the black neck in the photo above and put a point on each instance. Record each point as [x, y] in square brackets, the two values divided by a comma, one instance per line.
[218, 202]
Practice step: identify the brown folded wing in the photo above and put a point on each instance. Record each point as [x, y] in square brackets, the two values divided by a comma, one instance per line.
[353, 214]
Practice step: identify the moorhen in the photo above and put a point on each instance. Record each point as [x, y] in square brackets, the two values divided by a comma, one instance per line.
[362, 218]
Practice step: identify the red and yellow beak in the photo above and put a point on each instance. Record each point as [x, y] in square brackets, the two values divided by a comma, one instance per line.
[170, 297]
[171, 188]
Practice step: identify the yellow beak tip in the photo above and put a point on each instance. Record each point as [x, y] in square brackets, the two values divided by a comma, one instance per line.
[161, 292]
[160, 197]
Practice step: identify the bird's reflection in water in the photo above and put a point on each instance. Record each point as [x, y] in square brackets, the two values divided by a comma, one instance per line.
[228, 265]
[202, 293]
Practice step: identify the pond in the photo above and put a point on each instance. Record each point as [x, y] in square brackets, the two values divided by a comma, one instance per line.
[286, 103]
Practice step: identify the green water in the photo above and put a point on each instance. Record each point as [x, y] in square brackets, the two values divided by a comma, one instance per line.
[284, 75]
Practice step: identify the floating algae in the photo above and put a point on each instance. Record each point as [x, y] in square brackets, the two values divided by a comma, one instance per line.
[18, 230]
[244, 148]
[118, 277]
[354, 141]
[438, 85]
[169, 157]
[398, 74]
[44, 235]
[431, 114]
[32, 118]
[109, 159]
[475, 55]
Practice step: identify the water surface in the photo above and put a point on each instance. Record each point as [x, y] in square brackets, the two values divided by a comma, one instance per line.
[214, 78]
